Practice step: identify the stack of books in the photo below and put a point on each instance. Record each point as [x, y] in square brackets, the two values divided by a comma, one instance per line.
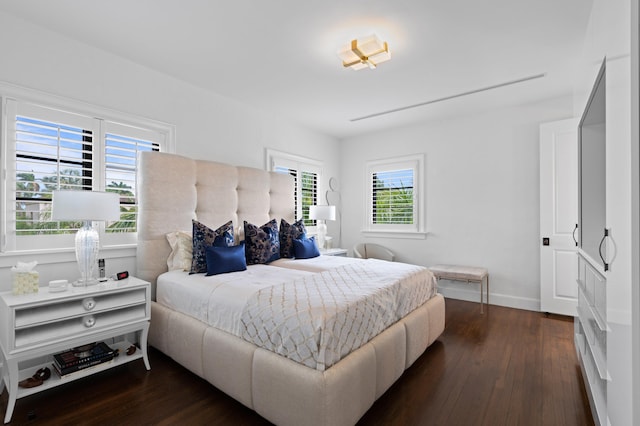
[77, 359]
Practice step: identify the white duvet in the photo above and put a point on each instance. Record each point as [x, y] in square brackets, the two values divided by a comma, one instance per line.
[218, 300]
[313, 311]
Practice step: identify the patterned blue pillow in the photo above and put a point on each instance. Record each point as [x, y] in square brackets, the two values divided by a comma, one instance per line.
[261, 244]
[288, 233]
[305, 248]
[204, 236]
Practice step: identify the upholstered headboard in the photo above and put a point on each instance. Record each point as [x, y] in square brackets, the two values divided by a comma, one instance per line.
[173, 190]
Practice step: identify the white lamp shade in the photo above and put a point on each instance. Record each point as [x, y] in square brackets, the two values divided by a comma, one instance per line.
[322, 212]
[85, 205]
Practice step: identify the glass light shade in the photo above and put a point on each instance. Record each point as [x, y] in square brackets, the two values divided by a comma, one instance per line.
[86, 206]
[364, 52]
[380, 57]
[370, 45]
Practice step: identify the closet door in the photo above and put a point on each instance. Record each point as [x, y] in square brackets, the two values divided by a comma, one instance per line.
[558, 217]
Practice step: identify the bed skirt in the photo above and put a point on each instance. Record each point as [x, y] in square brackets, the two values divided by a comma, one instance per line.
[286, 392]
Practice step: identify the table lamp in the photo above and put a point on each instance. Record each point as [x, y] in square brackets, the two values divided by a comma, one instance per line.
[322, 214]
[86, 206]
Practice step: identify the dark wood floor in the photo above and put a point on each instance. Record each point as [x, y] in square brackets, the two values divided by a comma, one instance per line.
[506, 367]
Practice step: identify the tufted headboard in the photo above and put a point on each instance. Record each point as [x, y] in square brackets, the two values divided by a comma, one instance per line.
[173, 190]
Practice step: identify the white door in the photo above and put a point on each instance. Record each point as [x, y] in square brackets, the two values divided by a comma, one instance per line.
[558, 216]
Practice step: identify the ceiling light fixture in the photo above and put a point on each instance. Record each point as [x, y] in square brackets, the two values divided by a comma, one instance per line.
[364, 52]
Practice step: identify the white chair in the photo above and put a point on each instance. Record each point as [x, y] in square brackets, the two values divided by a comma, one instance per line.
[373, 251]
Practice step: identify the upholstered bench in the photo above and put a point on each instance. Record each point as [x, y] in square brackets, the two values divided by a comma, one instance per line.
[470, 274]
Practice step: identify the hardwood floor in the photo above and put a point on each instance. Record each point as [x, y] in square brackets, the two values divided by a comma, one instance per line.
[506, 367]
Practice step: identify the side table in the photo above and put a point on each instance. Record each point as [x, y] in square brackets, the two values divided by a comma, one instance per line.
[334, 252]
[35, 326]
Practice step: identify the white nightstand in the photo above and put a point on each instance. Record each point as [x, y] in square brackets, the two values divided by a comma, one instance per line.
[334, 252]
[35, 326]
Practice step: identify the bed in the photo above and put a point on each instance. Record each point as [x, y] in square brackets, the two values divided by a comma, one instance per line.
[332, 390]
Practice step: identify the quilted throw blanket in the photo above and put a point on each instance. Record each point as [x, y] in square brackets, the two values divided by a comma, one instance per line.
[316, 320]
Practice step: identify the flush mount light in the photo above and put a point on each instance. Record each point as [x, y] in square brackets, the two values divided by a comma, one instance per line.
[364, 52]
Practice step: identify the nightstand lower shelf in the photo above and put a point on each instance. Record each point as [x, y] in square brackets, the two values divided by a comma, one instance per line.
[12, 374]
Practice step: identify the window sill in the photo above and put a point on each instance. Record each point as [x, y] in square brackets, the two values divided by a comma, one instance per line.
[411, 235]
[61, 255]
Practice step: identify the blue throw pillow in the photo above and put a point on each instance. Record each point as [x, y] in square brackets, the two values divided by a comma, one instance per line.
[221, 260]
[203, 236]
[288, 233]
[305, 248]
[262, 244]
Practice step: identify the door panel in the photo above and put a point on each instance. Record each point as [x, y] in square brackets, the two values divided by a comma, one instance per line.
[558, 216]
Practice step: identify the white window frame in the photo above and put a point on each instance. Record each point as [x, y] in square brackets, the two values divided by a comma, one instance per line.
[13, 97]
[418, 228]
[301, 164]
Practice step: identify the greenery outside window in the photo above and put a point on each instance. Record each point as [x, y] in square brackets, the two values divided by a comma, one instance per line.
[47, 148]
[395, 202]
[306, 173]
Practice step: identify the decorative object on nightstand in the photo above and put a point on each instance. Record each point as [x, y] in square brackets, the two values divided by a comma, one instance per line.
[322, 214]
[85, 206]
[25, 279]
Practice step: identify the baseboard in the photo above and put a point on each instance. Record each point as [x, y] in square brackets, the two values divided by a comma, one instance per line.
[473, 295]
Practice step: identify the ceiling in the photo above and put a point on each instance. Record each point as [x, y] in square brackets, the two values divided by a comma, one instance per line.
[281, 55]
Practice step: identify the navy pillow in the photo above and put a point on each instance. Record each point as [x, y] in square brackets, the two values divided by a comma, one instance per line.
[288, 233]
[203, 237]
[221, 260]
[305, 248]
[261, 244]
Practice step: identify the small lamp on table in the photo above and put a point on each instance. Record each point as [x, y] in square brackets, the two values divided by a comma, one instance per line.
[322, 214]
[86, 206]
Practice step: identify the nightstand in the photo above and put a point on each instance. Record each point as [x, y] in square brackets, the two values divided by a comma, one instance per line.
[35, 326]
[334, 252]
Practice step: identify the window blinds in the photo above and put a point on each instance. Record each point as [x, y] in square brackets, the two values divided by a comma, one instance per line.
[49, 156]
[393, 197]
[120, 165]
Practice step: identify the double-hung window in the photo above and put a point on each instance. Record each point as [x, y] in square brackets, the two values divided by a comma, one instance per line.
[395, 201]
[46, 148]
[306, 173]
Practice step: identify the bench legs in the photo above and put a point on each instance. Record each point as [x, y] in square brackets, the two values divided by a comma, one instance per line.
[468, 274]
[481, 293]
[481, 282]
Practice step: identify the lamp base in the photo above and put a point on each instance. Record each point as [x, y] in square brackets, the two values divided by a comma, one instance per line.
[321, 230]
[84, 283]
[87, 245]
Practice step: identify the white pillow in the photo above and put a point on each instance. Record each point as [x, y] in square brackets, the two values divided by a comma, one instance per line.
[181, 251]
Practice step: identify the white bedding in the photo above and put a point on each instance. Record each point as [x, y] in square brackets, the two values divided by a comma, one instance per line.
[315, 264]
[218, 300]
[232, 302]
[318, 319]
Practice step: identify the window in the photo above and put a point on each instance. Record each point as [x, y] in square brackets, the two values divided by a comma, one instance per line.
[392, 197]
[49, 148]
[395, 202]
[306, 173]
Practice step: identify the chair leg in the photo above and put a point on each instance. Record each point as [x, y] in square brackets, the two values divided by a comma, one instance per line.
[481, 297]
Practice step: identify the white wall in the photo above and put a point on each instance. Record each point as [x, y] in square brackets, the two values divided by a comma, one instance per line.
[207, 125]
[482, 183]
